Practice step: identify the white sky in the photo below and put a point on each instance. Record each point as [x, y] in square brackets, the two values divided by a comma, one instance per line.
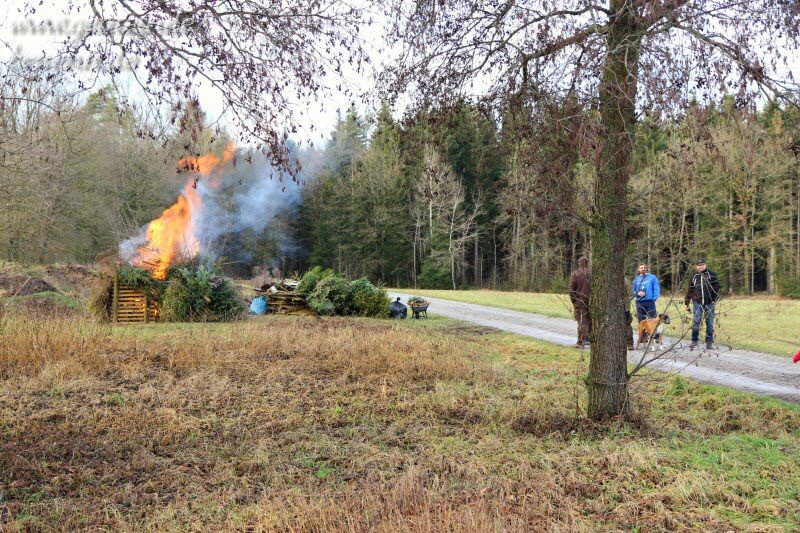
[322, 113]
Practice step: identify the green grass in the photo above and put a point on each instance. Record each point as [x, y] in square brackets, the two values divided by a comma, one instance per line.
[766, 325]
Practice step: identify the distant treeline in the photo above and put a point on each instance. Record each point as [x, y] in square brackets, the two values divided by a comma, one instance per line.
[446, 198]
[442, 198]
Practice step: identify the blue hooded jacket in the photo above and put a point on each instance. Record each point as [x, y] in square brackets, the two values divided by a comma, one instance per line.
[649, 284]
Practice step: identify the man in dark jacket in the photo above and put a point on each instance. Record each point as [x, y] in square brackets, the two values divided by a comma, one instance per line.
[579, 283]
[703, 292]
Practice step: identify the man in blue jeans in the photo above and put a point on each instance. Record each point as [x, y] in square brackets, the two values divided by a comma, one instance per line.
[703, 292]
[647, 290]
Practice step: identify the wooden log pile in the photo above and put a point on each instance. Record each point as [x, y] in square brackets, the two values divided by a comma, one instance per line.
[283, 298]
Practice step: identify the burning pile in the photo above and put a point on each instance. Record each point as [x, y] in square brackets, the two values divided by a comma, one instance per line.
[190, 292]
[163, 264]
[175, 235]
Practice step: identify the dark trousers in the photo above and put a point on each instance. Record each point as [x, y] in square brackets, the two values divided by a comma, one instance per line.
[584, 323]
[645, 309]
[701, 310]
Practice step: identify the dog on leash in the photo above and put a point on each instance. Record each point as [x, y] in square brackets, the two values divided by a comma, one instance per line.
[652, 327]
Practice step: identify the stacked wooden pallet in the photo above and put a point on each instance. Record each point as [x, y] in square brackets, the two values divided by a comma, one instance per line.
[132, 305]
[287, 303]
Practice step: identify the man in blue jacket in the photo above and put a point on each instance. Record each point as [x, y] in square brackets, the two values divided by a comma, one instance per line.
[647, 290]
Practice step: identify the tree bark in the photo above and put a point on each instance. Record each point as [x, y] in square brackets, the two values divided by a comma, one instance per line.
[731, 277]
[607, 381]
[772, 261]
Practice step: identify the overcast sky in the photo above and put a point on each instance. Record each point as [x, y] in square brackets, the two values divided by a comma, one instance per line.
[321, 113]
[31, 45]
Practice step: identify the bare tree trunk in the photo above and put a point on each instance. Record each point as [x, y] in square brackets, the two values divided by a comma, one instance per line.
[430, 223]
[649, 208]
[607, 381]
[752, 260]
[414, 255]
[573, 261]
[453, 270]
[684, 213]
[772, 260]
[494, 251]
[746, 262]
[476, 263]
[731, 278]
[797, 258]
[772, 263]
[797, 228]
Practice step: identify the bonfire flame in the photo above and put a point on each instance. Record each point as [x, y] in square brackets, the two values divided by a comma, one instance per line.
[174, 235]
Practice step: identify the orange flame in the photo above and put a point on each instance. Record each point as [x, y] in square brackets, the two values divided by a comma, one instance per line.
[173, 235]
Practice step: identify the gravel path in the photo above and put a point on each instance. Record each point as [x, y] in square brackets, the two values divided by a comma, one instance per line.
[739, 369]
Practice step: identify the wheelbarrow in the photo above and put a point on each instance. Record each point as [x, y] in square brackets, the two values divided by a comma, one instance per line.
[419, 309]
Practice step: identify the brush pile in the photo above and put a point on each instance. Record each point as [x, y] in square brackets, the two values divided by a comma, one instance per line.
[328, 293]
[191, 292]
[324, 292]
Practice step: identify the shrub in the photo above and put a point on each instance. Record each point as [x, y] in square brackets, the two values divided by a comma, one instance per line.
[321, 306]
[198, 292]
[328, 293]
[369, 300]
[789, 286]
[331, 295]
[310, 279]
[176, 302]
[374, 304]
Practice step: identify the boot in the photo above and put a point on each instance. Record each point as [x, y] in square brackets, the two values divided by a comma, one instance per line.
[709, 345]
[693, 345]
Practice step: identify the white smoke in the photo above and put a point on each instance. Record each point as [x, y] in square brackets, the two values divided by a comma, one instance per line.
[247, 198]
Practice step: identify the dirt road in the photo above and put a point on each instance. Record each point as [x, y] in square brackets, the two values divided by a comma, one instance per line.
[739, 369]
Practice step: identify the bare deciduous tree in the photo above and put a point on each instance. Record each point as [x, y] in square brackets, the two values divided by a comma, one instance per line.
[264, 60]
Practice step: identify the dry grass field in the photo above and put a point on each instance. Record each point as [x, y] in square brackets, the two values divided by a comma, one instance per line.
[768, 325]
[304, 424]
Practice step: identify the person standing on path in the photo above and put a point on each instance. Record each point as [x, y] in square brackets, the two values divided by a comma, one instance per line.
[646, 289]
[703, 292]
[579, 286]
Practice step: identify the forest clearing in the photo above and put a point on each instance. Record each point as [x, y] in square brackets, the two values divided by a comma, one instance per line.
[203, 204]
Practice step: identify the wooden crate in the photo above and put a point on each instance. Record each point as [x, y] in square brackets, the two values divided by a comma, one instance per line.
[131, 306]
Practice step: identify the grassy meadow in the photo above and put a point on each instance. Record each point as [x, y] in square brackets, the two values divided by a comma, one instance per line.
[306, 424]
[768, 325]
